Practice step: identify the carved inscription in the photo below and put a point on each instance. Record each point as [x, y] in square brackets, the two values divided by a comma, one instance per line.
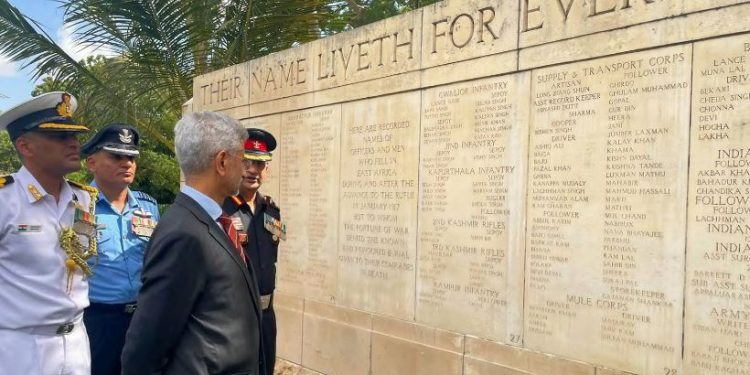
[456, 30]
[377, 230]
[310, 191]
[471, 222]
[717, 337]
[373, 51]
[606, 209]
[543, 21]
[222, 89]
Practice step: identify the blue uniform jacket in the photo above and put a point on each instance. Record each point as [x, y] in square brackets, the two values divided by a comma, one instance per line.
[117, 271]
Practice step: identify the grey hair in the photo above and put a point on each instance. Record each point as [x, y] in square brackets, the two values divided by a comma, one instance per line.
[199, 136]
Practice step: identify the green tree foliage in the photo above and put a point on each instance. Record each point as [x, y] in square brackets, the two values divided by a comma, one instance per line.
[368, 11]
[154, 49]
[9, 162]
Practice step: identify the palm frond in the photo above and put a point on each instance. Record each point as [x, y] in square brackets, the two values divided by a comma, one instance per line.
[23, 40]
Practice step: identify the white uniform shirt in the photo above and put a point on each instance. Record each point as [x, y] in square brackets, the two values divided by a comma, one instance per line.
[33, 277]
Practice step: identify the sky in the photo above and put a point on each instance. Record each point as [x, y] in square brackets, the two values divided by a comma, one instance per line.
[16, 83]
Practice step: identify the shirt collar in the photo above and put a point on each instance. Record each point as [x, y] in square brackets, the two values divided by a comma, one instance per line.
[132, 202]
[31, 186]
[207, 204]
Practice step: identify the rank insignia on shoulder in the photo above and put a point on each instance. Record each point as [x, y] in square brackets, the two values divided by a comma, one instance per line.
[27, 228]
[6, 180]
[145, 197]
[274, 226]
[87, 188]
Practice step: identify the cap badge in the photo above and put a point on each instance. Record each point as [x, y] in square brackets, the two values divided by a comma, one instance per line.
[63, 108]
[256, 144]
[126, 136]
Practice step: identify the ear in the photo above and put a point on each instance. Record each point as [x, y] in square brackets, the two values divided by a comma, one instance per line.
[24, 145]
[221, 161]
[91, 163]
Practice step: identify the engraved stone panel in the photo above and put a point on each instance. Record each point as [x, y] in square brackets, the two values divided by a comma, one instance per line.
[717, 313]
[272, 124]
[606, 210]
[502, 187]
[310, 191]
[222, 89]
[458, 30]
[378, 205]
[471, 212]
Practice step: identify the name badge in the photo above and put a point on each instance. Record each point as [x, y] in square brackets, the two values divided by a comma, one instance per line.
[143, 227]
[275, 227]
[28, 228]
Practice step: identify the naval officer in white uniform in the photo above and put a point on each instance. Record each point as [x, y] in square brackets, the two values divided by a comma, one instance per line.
[47, 232]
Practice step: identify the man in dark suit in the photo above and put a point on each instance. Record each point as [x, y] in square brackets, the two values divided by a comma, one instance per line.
[199, 309]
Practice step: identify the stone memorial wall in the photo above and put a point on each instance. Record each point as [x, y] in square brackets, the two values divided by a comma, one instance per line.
[544, 187]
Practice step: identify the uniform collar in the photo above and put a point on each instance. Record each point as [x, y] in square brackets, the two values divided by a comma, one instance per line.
[259, 202]
[34, 190]
[132, 202]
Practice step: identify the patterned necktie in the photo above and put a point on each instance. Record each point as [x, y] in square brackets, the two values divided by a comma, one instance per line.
[231, 231]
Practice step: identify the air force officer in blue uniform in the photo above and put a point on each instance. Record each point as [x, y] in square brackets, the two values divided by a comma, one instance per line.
[125, 221]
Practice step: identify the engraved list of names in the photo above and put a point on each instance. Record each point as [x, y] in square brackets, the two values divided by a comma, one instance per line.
[310, 170]
[470, 269]
[310, 183]
[717, 316]
[606, 220]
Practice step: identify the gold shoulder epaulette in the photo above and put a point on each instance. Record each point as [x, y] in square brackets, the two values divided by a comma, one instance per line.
[6, 180]
[88, 188]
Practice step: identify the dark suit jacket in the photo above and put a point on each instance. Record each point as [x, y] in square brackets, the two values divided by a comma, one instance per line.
[199, 308]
